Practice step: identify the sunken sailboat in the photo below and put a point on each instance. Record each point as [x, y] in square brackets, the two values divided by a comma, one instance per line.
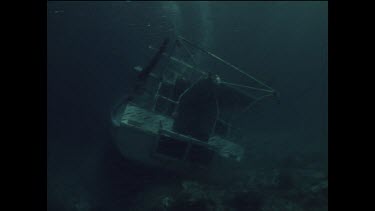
[180, 117]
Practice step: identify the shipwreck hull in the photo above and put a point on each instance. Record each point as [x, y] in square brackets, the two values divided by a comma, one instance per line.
[148, 138]
[182, 118]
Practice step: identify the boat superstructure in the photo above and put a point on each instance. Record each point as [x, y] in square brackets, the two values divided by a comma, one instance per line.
[180, 117]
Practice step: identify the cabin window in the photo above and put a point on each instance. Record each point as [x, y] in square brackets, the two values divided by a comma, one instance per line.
[184, 150]
[171, 147]
[199, 154]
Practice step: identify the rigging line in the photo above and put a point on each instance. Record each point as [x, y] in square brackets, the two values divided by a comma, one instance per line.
[168, 62]
[190, 54]
[178, 42]
[185, 91]
[179, 61]
[225, 62]
[217, 115]
[249, 87]
[235, 117]
[255, 101]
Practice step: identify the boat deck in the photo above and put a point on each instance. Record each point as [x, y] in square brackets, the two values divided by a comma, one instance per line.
[147, 120]
[227, 148]
[152, 122]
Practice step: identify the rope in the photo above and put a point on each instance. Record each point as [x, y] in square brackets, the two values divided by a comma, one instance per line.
[257, 100]
[191, 57]
[179, 61]
[225, 62]
[156, 96]
[190, 54]
[184, 92]
[249, 87]
[167, 64]
[165, 98]
[217, 115]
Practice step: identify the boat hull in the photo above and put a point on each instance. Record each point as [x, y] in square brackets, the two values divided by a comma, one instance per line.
[137, 138]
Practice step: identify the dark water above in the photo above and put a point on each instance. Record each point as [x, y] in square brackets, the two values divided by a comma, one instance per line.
[93, 47]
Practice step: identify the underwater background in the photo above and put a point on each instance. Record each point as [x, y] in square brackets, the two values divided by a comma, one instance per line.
[92, 48]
